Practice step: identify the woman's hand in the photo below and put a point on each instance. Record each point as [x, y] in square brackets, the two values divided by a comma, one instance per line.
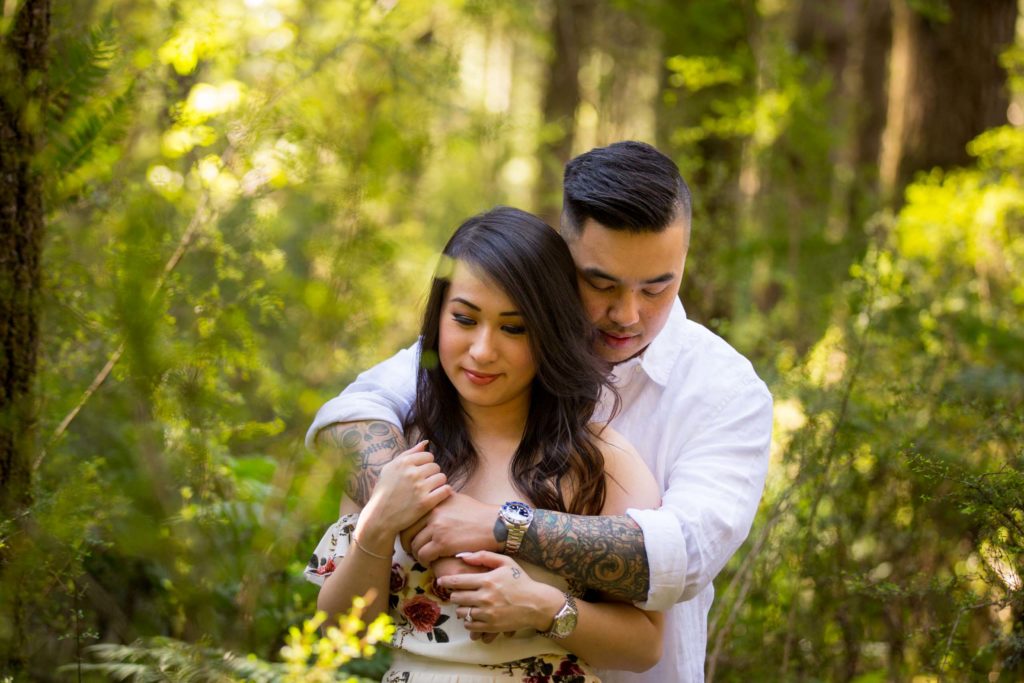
[409, 487]
[503, 599]
[454, 566]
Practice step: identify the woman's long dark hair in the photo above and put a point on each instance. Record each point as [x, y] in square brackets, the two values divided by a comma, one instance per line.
[528, 260]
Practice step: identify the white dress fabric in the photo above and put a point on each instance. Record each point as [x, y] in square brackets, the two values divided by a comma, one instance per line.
[431, 642]
[700, 418]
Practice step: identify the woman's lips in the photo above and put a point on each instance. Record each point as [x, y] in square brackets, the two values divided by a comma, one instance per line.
[479, 378]
[616, 341]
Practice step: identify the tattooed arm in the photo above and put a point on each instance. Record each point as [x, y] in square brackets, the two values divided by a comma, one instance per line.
[604, 554]
[362, 423]
[366, 447]
[608, 634]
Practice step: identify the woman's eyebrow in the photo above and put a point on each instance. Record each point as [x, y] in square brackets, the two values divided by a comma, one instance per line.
[464, 302]
[469, 304]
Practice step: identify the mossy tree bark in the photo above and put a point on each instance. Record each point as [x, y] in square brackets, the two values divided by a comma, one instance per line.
[23, 64]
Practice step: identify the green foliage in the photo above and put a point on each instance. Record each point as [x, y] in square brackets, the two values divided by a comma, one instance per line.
[244, 201]
[756, 128]
[235, 228]
[87, 110]
[308, 657]
[894, 542]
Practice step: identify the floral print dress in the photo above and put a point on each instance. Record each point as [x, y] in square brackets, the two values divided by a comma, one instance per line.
[430, 641]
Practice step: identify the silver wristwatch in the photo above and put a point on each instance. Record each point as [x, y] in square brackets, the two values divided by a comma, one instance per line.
[565, 621]
[517, 517]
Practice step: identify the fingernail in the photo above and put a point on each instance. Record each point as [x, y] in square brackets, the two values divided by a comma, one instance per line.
[461, 555]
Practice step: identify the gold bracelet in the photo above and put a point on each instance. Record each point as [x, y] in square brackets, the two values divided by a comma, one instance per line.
[367, 550]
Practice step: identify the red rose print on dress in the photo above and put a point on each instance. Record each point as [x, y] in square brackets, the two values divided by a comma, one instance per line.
[422, 612]
[569, 668]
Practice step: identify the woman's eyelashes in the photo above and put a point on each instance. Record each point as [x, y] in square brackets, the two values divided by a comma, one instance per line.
[466, 321]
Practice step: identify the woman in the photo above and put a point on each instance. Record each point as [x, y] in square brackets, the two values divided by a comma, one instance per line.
[506, 392]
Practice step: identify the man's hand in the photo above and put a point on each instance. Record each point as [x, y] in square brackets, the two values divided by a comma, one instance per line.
[458, 524]
[366, 448]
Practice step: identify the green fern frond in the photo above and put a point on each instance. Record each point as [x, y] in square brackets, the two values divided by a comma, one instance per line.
[79, 139]
[137, 673]
[164, 660]
[81, 132]
[79, 69]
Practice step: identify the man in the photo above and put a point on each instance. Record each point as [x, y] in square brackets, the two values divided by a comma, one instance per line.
[690, 404]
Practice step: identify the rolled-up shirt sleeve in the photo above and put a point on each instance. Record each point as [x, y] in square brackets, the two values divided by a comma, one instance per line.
[713, 488]
[385, 392]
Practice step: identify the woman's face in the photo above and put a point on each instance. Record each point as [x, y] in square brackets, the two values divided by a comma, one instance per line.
[483, 344]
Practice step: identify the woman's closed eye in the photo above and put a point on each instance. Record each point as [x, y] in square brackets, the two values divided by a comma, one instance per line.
[514, 329]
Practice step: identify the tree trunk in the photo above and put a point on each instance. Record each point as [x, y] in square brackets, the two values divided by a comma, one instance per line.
[946, 84]
[22, 105]
[854, 37]
[872, 46]
[569, 27]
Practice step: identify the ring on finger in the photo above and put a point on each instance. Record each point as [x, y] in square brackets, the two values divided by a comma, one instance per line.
[469, 615]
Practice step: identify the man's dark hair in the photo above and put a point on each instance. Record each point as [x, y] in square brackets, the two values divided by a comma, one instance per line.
[624, 186]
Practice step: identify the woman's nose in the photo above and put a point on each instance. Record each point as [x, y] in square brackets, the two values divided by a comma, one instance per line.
[482, 350]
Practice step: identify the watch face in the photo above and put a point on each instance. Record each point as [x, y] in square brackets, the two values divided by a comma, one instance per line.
[516, 512]
[566, 624]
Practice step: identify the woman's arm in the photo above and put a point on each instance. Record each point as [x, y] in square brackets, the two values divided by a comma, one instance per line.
[609, 634]
[363, 571]
[409, 486]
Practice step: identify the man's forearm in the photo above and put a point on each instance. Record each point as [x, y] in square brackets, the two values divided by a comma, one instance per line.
[602, 553]
[367, 446]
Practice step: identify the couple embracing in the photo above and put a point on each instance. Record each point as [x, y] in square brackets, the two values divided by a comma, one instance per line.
[585, 458]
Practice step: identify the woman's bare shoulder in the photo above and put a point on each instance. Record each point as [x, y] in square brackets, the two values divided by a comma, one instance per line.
[630, 482]
[613, 445]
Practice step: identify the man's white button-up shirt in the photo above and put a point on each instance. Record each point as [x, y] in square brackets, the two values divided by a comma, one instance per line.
[700, 418]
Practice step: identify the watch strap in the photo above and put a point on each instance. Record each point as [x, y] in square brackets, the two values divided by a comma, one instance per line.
[514, 539]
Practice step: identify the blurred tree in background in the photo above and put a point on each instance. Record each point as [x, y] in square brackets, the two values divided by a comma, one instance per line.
[215, 213]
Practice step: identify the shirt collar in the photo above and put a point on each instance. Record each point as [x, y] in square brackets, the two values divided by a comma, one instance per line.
[661, 354]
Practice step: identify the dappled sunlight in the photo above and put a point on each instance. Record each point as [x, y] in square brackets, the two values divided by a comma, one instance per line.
[239, 206]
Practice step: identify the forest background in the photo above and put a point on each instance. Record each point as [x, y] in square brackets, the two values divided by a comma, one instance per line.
[215, 213]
